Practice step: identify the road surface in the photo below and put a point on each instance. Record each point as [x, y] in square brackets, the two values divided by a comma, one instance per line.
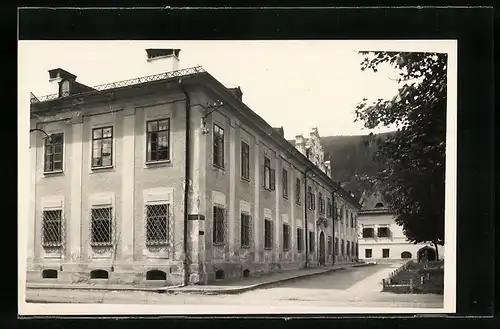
[351, 287]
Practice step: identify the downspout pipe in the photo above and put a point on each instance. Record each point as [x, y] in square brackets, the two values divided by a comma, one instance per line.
[306, 247]
[187, 168]
[334, 214]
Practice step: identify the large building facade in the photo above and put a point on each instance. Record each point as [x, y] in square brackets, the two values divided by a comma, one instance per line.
[381, 239]
[172, 179]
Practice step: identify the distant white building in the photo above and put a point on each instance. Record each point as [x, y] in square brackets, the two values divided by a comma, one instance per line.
[380, 238]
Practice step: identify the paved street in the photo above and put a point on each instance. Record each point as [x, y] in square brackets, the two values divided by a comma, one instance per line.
[351, 287]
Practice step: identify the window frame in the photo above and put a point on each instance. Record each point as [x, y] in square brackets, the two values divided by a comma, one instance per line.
[381, 229]
[245, 166]
[269, 180]
[159, 242]
[388, 253]
[370, 251]
[149, 158]
[93, 140]
[268, 234]
[311, 241]
[111, 228]
[300, 240]
[298, 191]
[50, 142]
[217, 221]
[245, 216]
[284, 183]
[366, 236]
[286, 236]
[311, 202]
[52, 244]
[219, 154]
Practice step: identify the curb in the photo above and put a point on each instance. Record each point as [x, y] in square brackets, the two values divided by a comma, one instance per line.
[222, 291]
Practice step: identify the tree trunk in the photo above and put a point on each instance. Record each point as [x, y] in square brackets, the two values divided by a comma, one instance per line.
[436, 247]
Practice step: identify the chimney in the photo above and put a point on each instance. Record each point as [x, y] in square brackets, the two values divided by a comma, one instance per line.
[299, 144]
[279, 130]
[328, 167]
[61, 81]
[162, 60]
[237, 92]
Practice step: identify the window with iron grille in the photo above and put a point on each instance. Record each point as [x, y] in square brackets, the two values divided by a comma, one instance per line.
[310, 194]
[297, 191]
[321, 203]
[218, 136]
[102, 147]
[383, 232]
[268, 234]
[328, 207]
[219, 225]
[300, 240]
[245, 230]
[269, 175]
[157, 224]
[101, 228]
[245, 161]
[285, 183]
[368, 232]
[52, 228]
[158, 140]
[311, 241]
[336, 246]
[368, 253]
[286, 236]
[54, 153]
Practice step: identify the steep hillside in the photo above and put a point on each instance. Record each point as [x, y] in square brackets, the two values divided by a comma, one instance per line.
[350, 156]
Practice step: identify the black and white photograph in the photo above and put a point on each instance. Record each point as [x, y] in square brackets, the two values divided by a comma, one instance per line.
[237, 177]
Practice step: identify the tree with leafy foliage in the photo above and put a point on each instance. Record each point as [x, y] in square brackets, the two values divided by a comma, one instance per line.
[413, 178]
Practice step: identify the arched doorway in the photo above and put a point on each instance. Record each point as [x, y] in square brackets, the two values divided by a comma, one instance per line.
[426, 253]
[322, 248]
[406, 254]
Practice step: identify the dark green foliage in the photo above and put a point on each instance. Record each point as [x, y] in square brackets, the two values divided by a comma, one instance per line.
[413, 157]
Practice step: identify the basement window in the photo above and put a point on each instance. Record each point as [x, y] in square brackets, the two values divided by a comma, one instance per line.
[49, 274]
[99, 274]
[156, 275]
[219, 275]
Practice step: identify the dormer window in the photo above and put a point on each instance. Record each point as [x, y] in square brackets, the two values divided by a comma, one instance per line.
[64, 91]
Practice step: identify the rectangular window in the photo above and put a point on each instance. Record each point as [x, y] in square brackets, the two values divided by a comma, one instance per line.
[54, 153]
[321, 203]
[336, 246]
[311, 242]
[342, 250]
[300, 240]
[357, 250]
[328, 207]
[368, 232]
[311, 197]
[353, 252]
[245, 161]
[383, 232]
[218, 146]
[285, 183]
[352, 220]
[157, 224]
[268, 234]
[348, 248]
[330, 245]
[368, 253]
[385, 253]
[101, 228]
[218, 225]
[158, 140]
[286, 237]
[245, 230]
[52, 228]
[102, 147]
[269, 175]
[297, 191]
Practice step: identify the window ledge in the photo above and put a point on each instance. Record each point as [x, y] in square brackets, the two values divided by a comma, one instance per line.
[218, 244]
[218, 168]
[55, 172]
[268, 248]
[245, 247]
[157, 163]
[101, 245]
[102, 168]
[246, 180]
[157, 244]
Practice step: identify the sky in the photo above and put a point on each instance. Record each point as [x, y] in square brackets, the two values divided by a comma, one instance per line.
[295, 84]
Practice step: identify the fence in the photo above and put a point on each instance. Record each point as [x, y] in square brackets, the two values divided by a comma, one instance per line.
[404, 285]
[413, 277]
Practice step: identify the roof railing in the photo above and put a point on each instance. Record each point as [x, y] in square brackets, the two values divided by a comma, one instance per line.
[125, 83]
